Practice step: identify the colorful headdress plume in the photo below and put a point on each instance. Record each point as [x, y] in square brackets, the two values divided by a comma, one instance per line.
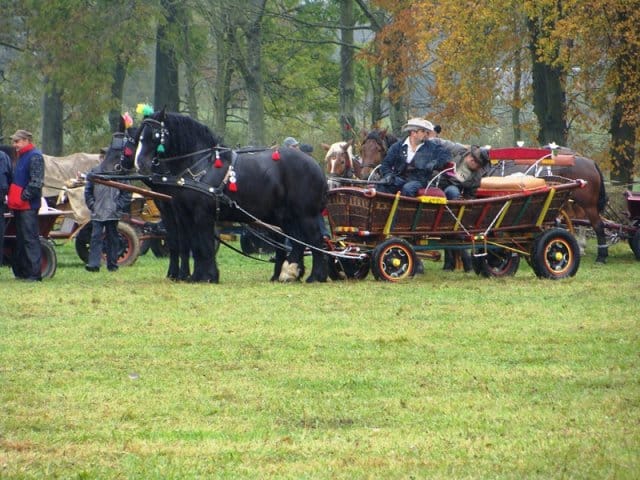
[128, 121]
[144, 109]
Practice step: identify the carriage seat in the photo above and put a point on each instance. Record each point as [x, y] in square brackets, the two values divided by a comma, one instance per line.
[516, 183]
[431, 195]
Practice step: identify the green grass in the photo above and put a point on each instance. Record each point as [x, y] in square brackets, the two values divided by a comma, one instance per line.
[128, 375]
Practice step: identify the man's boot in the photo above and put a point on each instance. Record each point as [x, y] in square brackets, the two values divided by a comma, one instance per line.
[449, 260]
[467, 263]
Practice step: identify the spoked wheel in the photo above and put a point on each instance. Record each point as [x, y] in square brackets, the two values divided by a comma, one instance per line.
[341, 268]
[498, 262]
[393, 260]
[48, 258]
[555, 254]
[128, 247]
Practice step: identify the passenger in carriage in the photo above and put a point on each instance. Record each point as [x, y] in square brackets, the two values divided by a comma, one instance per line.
[464, 180]
[410, 162]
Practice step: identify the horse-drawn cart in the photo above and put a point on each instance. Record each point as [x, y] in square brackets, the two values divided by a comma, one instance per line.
[387, 233]
[47, 218]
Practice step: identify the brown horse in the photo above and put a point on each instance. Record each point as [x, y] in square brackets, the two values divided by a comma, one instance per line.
[340, 163]
[589, 202]
[373, 148]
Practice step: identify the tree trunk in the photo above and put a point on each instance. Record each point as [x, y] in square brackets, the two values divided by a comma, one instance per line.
[117, 93]
[166, 93]
[549, 98]
[52, 121]
[347, 82]
[623, 134]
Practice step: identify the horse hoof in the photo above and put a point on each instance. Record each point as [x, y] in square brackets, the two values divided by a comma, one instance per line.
[290, 272]
[602, 261]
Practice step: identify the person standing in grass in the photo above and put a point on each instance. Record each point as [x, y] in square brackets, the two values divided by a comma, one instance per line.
[24, 198]
[107, 205]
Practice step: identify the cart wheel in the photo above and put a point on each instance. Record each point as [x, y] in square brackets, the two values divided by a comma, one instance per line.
[393, 260]
[555, 254]
[634, 243]
[145, 245]
[128, 250]
[498, 262]
[48, 258]
[341, 268]
[83, 239]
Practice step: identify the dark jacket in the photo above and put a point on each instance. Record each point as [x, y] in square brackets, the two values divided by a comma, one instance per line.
[5, 176]
[431, 155]
[105, 203]
[29, 175]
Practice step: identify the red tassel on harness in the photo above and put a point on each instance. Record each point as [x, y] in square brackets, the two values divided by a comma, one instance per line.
[275, 156]
[232, 181]
[218, 162]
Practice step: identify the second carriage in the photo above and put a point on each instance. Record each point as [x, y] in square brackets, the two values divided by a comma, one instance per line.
[511, 218]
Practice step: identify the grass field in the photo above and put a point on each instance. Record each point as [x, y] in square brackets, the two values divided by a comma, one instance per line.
[128, 375]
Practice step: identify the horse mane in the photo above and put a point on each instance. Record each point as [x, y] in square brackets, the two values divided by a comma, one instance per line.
[191, 130]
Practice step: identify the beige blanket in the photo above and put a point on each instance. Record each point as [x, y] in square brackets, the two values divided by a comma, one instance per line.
[59, 170]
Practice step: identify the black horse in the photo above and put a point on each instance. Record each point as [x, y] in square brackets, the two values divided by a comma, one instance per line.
[208, 182]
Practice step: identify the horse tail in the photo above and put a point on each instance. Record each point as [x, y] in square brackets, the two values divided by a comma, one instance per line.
[602, 195]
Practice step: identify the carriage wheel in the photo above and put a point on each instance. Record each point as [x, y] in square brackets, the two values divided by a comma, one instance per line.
[393, 260]
[341, 268]
[128, 248]
[498, 262]
[555, 254]
[634, 243]
[48, 258]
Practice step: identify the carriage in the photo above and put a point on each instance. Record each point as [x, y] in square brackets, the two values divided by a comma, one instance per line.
[510, 218]
[47, 218]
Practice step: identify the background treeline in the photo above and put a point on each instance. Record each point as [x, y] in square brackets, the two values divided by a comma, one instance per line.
[255, 71]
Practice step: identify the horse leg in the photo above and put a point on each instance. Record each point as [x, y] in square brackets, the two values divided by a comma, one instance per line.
[293, 266]
[603, 248]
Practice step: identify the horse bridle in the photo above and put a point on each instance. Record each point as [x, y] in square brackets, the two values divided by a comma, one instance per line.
[382, 146]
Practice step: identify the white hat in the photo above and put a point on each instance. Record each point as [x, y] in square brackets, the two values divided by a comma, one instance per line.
[417, 124]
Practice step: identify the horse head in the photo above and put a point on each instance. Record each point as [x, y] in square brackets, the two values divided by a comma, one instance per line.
[339, 161]
[375, 144]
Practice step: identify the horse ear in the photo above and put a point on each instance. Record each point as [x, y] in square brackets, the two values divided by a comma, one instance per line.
[121, 125]
[163, 113]
[325, 146]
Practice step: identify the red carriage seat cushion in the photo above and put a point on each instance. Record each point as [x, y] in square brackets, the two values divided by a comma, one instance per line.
[495, 186]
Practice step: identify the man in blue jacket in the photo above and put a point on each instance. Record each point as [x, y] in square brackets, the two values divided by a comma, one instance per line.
[408, 165]
[24, 199]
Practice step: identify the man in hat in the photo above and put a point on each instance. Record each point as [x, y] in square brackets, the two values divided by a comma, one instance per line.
[290, 142]
[409, 163]
[465, 178]
[24, 199]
